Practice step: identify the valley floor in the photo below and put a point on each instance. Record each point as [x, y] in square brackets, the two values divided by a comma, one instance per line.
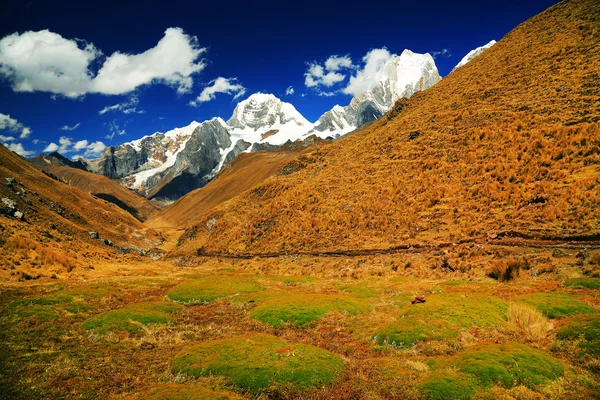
[311, 328]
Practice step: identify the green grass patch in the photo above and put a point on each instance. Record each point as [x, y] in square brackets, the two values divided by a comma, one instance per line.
[255, 362]
[508, 365]
[131, 317]
[586, 328]
[305, 309]
[556, 305]
[585, 283]
[208, 288]
[442, 317]
[189, 391]
[361, 291]
[448, 385]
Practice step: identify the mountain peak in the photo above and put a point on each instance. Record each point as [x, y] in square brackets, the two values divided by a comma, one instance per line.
[473, 53]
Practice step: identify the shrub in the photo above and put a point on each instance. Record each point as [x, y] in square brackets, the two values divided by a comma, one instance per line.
[256, 361]
[505, 271]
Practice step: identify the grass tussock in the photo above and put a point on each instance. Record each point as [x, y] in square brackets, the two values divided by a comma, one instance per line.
[529, 320]
[506, 270]
[585, 329]
[189, 391]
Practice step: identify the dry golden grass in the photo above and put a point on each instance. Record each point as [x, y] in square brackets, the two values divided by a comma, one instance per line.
[529, 320]
[509, 144]
[106, 189]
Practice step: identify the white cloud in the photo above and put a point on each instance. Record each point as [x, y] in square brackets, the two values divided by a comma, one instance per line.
[18, 148]
[289, 91]
[94, 149]
[11, 124]
[327, 74]
[114, 129]
[80, 145]
[5, 139]
[443, 53]
[335, 63]
[45, 61]
[52, 147]
[127, 107]
[66, 145]
[367, 78]
[220, 85]
[70, 128]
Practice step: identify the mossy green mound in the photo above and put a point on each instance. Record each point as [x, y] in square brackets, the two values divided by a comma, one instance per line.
[556, 305]
[131, 317]
[255, 362]
[188, 391]
[208, 288]
[448, 385]
[361, 291]
[586, 328]
[442, 317]
[587, 283]
[305, 309]
[508, 365]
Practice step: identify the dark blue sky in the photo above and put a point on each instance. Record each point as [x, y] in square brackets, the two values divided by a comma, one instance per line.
[266, 46]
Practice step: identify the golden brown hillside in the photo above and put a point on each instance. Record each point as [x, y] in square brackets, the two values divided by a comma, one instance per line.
[52, 236]
[106, 189]
[506, 146]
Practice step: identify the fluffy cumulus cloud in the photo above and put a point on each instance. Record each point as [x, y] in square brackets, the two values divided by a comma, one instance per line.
[18, 148]
[219, 85]
[127, 107]
[289, 91]
[45, 61]
[66, 145]
[367, 78]
[70, 128]
[328, 74]
[14, 126]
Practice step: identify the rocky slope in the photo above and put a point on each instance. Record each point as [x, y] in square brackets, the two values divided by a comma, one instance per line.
[506, 146]
[401, 77]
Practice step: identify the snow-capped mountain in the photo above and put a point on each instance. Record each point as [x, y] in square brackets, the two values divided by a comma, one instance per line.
[473, 53]
[401, 77]
[263, 118]
[166, 166]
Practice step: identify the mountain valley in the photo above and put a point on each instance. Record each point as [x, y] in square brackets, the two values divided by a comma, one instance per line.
[436, 238]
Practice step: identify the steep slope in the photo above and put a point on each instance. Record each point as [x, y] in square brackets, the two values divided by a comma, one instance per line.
[401, 77]
[45, 225]
[473, 53]
[507, 145]
[106, 189]
[245, 172]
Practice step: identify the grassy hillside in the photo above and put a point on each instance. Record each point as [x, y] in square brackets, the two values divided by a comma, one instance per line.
[106, 189]
[508, 145]
[53, 235]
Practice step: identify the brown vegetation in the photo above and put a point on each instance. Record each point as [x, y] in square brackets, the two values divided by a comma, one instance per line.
[518, 124]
